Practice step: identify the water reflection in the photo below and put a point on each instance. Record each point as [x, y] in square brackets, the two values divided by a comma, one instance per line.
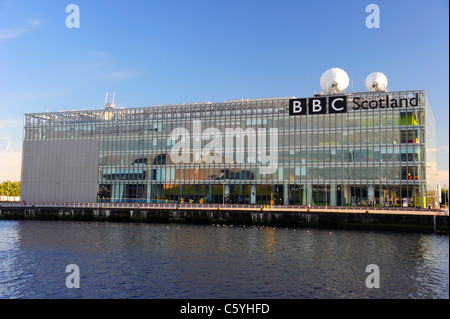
[9, 273]
[185, 261]
[268, 242]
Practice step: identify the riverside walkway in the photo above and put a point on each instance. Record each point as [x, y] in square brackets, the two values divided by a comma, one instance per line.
[231, 207]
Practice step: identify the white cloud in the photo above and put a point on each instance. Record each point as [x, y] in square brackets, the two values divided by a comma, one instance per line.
[95, 60]
[102, 65]
[12, 33]
[10, 135]
[442, 149]
[122, 75]
[5, 5]
[100, 54]
[4, 124]
[10, 165]
[442, 178]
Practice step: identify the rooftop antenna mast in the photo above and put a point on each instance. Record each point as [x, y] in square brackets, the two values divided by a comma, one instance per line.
[109, 106]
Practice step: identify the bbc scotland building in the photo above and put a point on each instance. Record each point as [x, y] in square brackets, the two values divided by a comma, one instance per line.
[335, 148]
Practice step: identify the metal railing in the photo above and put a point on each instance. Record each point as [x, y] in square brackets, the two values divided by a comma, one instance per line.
[213, 206]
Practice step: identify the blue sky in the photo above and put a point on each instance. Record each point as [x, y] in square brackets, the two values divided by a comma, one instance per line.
[173, 51]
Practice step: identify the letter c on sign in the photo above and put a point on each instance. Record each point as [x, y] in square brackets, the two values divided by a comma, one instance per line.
[334, 106]
[338, 104]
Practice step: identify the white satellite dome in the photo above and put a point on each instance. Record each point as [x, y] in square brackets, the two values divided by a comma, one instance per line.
[376, 81]
[334, 80]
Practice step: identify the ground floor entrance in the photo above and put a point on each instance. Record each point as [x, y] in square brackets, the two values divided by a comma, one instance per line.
[328, 194]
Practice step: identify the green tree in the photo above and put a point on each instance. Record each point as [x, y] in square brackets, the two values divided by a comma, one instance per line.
[444, 196]
[9, 188]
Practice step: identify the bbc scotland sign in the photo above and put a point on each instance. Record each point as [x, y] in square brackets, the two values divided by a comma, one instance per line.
[318, 105]
[338, 104]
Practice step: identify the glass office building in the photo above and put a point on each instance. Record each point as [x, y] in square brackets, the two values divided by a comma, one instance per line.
[368, 148]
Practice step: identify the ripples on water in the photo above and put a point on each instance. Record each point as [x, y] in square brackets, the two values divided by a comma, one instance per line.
[185, 261]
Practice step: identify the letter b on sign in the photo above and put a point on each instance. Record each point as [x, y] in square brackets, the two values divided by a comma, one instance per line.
[297, 107]
[318, 105]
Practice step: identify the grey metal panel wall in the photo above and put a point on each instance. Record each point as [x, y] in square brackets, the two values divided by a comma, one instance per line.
[60, 171]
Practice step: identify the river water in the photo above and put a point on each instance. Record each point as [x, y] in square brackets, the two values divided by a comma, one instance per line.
[138, 260]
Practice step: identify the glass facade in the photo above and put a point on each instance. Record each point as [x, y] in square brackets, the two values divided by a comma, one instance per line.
[378, 156]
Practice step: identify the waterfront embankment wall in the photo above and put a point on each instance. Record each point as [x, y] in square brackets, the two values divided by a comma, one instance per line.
[364, 218]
